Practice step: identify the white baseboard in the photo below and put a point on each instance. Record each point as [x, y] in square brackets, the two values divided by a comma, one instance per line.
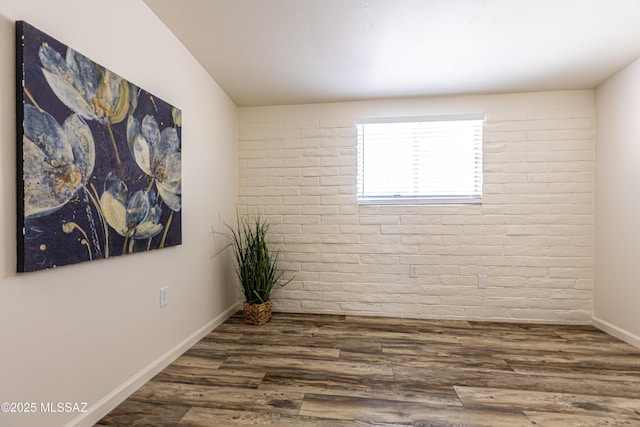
[617, 332]
[117, 396]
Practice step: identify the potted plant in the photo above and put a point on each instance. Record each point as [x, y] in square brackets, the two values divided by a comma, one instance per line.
[257, 266]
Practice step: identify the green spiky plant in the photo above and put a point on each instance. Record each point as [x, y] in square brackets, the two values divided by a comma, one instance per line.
[257, 266]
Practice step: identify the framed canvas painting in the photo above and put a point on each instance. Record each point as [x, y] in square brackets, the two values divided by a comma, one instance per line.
[99, 159]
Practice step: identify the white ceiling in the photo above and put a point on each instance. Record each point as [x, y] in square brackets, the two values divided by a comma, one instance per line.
[272, 52]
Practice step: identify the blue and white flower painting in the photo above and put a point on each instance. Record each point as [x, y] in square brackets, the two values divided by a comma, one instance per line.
[99, 159]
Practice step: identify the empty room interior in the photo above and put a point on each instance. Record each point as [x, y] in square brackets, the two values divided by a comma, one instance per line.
[506, 292]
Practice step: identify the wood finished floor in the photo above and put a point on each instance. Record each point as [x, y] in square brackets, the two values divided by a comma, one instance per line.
[337, 371]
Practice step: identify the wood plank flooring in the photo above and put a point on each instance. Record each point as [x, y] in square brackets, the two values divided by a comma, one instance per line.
[338, 371]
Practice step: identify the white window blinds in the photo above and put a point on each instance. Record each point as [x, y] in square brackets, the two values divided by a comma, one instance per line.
[420, 160]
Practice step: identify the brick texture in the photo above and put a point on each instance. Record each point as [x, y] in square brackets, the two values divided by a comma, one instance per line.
[532, 235]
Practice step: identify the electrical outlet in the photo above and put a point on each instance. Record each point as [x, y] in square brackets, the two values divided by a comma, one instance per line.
[413, 270]
[483, 281]
[164, 296]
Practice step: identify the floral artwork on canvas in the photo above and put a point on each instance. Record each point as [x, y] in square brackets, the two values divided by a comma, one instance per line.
[99, 159]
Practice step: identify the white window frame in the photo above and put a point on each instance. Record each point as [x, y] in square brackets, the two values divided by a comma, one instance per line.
[472, 196]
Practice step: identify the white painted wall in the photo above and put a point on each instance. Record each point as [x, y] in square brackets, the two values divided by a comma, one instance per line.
[94, 331]
[617, 279]
[532, 236]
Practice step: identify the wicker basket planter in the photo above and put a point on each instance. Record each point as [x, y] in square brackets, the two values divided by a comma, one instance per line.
[257, 314]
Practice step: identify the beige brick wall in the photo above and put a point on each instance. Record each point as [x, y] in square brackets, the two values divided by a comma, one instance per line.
[532, 235]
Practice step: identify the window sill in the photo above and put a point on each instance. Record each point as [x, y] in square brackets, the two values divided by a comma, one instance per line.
[409, 201]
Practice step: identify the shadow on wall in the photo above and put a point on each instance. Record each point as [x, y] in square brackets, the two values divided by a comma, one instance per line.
[7, 148]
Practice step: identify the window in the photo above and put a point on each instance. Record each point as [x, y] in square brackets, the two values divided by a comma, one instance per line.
[420, 160]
